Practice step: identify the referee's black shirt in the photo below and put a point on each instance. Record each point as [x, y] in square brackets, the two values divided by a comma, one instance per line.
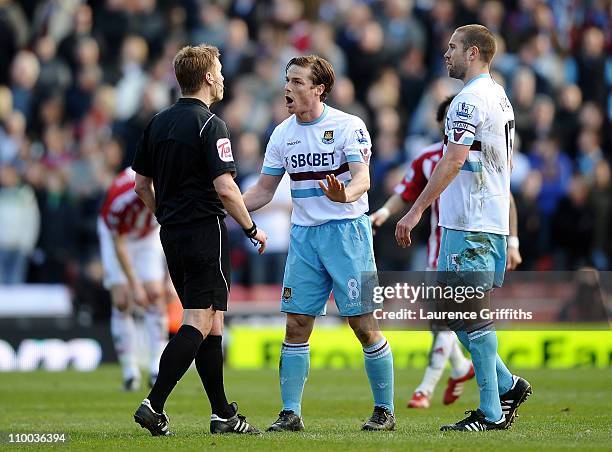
[183, 149]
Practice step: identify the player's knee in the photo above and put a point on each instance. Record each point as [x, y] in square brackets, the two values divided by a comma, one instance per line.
[364, 336]
[217, 324]
[201, 319]
[298, 328]
[363, 330]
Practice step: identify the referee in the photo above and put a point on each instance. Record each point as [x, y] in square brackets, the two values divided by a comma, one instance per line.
[185, 174]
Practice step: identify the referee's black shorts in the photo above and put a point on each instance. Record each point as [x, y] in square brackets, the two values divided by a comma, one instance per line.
[199, 264]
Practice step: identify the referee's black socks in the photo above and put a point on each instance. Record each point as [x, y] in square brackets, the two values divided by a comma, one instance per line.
[209, 362]
[174, 362]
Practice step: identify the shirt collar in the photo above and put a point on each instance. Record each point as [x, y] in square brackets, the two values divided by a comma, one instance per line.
[192, 100]
[314, 121]
[477, 77]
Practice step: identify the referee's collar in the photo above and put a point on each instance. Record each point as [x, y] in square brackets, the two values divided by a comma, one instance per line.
[192, 100]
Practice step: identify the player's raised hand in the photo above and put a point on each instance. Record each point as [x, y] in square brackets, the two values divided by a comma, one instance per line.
[405, 226]
[513, 258]
[262, 238]
[335, 190]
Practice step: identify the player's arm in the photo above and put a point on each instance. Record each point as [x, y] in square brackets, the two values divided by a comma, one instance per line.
[272, 172]
[406, 193]
[144, 190]
[445, 171]
[138, 292]
[357, 151]
[513, 255]
[360, 183]
[394, 205]
[230, 196]
[262, 192]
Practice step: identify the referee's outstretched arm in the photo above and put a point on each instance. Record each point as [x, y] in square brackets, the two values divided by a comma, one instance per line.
[230, 196]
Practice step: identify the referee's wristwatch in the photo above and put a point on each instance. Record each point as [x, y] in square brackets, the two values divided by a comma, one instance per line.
[251, 233]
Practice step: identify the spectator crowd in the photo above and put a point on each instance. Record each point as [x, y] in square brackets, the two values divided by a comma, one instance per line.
[79, 81]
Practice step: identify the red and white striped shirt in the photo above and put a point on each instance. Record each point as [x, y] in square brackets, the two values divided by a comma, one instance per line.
[123, 212]
[411, 187]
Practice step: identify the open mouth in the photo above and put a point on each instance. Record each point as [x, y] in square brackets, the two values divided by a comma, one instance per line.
[288, 100]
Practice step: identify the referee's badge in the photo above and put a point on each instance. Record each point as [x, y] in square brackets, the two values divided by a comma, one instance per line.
[328, 137]
[286, 294]
[224, 148]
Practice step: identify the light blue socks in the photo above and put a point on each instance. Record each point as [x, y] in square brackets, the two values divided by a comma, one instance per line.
[293, 370]
[379, 368]
[483, 347]
[504, 377]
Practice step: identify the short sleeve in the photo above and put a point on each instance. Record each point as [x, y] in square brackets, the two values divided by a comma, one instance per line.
[357, 145]
[413, 182]
[466, 115]
[273, 161]
[115, 218]
[112, 221]
[143, 161]
[218, 148]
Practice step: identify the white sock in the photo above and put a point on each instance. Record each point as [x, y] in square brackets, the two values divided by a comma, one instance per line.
[460, 365]
[156, 324]
[440, 350]
[123, 331]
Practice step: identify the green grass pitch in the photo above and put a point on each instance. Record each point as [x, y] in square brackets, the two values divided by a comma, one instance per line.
[569, 409]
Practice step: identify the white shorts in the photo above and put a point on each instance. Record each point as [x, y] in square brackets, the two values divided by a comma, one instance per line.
[146, 255]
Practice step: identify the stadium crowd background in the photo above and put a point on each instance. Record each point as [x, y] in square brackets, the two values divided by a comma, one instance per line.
[80, 80]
